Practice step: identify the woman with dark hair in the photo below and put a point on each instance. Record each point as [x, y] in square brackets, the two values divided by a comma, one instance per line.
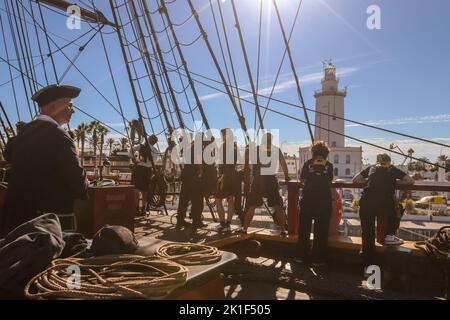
[315, 204]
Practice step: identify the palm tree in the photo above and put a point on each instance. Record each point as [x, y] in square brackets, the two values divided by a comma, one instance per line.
[81, 132]
[103, 131]
[442, 157]
[93, 130]
[110, 142]
[410, 153]
[123, 143]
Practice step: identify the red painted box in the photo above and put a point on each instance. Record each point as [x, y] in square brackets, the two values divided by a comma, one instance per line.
[115, 205]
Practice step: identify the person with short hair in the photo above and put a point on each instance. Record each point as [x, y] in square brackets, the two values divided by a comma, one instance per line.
[228, 183]
[145, 157]
[378, 200]
[46, 176]
[315, 204]
[264, 183]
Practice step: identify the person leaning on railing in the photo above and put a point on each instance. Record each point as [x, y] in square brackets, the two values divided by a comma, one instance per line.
[378, 200]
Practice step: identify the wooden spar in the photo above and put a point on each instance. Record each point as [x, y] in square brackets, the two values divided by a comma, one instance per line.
[87, 15]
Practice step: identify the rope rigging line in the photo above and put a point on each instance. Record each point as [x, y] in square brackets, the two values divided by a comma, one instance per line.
[230, 57]
[49, 32]
[28, 52]
[7, 120]
[164, 11]
[9, 69]
[188, 44]
[16, 49]
[297, 82]
[155, 45]
[282, 58]
[184, 90]
[328, 115]
[47, 38]
[132, 63]
[116, 21]
[150, 70]
[319, 127]
[39, 44]
[219, 70]
[247, 64]
[101, 122]
[258, 59]
[138, 82]
[74, 66]
[111, 74]
[77, 55]
[221, 46]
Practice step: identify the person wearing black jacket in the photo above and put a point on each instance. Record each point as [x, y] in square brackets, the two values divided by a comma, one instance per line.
[315, 204]
[46, 176]
[378, 200]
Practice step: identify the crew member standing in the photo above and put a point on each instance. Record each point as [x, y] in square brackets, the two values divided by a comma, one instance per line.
[378, 200]
[45, 172]
[316, 175]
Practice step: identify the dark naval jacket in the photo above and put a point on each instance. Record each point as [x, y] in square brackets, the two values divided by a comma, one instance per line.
[45, 176]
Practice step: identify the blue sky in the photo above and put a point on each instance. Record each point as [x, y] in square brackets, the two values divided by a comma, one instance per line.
[397, 77]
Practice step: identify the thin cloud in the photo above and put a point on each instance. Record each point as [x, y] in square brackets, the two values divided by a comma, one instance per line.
[440, 118]
[283, 86]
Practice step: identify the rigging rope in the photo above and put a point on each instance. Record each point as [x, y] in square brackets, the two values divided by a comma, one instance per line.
[224, 29]
[155, 44]
[184, 91]
[219, 70]
[17, 56]
[111, 74]
[9, 69]
[135, 72]
[247, 64]
[323, 113]
[282, 59]
[44, 28]
[297, 82]
[39, 45]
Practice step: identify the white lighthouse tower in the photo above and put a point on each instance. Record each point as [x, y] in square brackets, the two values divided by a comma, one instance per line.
[347, 161]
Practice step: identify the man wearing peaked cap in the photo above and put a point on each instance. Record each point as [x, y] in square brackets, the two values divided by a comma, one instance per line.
[45, 172]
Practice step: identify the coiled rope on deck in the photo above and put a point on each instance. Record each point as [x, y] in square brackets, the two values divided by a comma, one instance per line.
[189, 254]
[109, 277]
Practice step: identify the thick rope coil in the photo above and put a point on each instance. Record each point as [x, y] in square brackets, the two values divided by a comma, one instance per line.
[109, 277]
[189, 254]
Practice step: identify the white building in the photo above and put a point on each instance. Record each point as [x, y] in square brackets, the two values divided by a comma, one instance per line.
[347, 161]
[292, 163]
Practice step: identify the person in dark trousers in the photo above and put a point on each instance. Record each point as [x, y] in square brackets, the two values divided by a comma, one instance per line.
[378, 200]
[264, 182]
[46, 176]
[191, 188]
[144, 157]
[315, 204]
[228, 184]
